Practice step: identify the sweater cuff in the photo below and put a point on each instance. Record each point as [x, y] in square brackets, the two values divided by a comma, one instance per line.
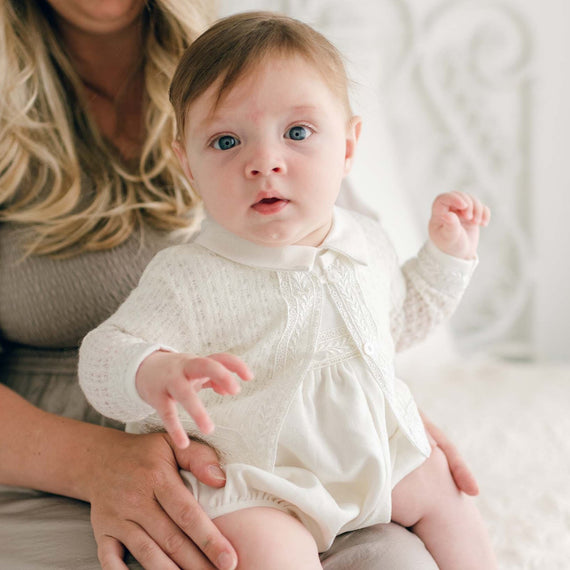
[449, 274]
[132, 366]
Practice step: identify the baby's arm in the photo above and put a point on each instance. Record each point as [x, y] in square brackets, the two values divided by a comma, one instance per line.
[164, 378]
[160, 314]
[428, 287]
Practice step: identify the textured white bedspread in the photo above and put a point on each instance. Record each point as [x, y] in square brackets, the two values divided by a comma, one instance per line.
[512, 423]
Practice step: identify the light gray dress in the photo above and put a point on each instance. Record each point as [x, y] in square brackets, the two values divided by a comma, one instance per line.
[46, 307]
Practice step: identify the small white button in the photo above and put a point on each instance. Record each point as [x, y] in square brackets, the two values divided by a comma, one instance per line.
[368, 348]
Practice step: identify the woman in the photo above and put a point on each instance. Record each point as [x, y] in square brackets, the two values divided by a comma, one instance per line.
[89, 191]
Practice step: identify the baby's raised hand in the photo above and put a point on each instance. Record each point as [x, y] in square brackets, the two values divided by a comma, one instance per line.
[165, 378]
[455, 221]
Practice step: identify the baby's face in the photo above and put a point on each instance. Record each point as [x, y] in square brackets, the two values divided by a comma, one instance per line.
[269, 161]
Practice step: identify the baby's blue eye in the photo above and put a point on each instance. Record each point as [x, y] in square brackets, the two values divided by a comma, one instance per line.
[298, 133]
[225, 142]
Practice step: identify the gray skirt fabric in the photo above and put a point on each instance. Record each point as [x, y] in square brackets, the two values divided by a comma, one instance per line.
[40, 531]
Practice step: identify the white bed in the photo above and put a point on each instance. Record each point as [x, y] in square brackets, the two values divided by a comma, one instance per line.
[511, 422]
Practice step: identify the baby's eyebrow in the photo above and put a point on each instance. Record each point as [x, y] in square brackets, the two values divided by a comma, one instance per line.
[212, 119]
[219, 119]
[305, 108]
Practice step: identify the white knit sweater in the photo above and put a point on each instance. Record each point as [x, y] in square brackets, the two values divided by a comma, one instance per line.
[224, 294]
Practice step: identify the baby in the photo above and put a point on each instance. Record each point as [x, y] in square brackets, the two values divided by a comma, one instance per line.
[325, 439]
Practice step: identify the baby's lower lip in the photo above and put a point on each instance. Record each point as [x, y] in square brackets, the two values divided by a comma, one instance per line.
[270, 206]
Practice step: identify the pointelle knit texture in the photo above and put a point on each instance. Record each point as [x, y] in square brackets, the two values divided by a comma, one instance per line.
[202, 298]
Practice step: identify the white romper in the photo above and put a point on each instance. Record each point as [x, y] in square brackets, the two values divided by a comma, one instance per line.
[340, 451]
[325, 429]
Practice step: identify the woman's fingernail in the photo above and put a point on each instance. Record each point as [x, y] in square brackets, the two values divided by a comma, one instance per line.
[217, 473]
[226, 561]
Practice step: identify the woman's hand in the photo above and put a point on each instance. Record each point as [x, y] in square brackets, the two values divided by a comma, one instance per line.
[139, 501]
[462, 475]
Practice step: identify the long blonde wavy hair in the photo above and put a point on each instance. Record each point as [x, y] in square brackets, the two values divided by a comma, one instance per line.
[49, 142]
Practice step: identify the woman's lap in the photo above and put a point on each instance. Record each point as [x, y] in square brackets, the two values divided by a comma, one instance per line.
[378, 547]
[39, 531]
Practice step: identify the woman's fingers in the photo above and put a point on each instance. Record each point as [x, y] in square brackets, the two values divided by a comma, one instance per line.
[203, 462]
[150, 555]
[169, 540]
[189, 516]
[110, 553]
[464, 479]
[139, 500]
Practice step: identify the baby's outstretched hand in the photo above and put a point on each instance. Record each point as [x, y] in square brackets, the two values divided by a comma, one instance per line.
[455, 221]
[165, 378]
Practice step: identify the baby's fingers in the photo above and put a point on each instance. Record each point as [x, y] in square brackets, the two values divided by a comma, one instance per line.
[231, 363]
[467, 207]
[212, 374]
[187, 396]
[476, 213]
[169, 415]
[451, 202]
[234, 364]
[484, 215]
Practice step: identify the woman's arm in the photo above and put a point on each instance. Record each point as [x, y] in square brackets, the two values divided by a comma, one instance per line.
[137, 496]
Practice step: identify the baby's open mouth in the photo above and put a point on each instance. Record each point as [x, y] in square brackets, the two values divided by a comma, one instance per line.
[269, 200]
[270, 205]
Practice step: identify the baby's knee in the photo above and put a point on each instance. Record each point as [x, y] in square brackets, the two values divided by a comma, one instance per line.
[265, 537]
[436, 467]
[423, 490]
[435, 478]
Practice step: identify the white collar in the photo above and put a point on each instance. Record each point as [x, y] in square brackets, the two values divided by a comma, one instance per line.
[345, 237]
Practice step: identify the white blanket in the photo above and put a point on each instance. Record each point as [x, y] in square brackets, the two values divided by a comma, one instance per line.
[511, 423]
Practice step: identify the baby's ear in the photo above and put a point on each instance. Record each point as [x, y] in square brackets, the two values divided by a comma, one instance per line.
[352, 135]
[182, 156]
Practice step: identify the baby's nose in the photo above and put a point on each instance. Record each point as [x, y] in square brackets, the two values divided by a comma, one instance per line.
[264, 164]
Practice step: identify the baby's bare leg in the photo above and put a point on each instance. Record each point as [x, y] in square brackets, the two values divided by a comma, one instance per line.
[269, 538]
[447, 521]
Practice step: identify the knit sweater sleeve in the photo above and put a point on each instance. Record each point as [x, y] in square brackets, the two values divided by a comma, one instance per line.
[147, 321]
[425, 291]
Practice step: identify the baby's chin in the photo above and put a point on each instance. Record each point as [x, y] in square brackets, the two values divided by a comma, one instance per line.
[284, 238]
[272, 239]
[283, 233]
[268, 235]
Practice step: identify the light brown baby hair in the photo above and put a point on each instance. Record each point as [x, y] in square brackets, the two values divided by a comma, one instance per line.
[236, 44]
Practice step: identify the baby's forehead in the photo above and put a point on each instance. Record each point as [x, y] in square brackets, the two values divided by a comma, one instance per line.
[250, 74]
[218, 100]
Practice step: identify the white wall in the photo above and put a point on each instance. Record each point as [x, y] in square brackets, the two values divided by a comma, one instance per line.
[551, 184]
[472, 95]
[477, 95]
